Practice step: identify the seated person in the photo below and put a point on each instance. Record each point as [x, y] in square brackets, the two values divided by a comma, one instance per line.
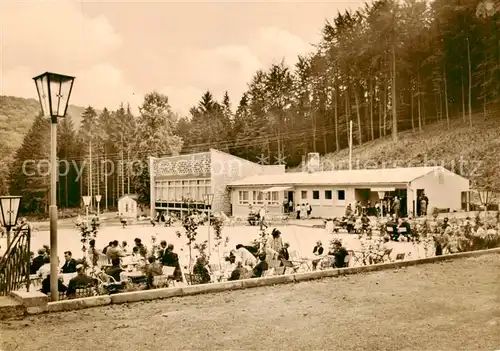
[239, 272]
[114, 250]
[391, 228]
[351, 222]
[137, 258]
[115, 269]
[246, 256]
[284, 254]
[151, 270]
[69, 264]
[161, 251]
[143, 251]
[317, 251]
[80, 281]
[261, 266]
[171, 259]
[404, 228]
[44, 270]
[365, 221]
[38, 261]
[46, 285]
[201, 272]
[339, 253]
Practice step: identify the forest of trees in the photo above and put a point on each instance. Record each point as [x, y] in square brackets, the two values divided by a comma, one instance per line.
[389, 66]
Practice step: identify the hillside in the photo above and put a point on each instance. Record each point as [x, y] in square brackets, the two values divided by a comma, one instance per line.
[473, 153]
[16, 117]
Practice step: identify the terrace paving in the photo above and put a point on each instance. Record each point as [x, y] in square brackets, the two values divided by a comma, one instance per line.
[454, 305]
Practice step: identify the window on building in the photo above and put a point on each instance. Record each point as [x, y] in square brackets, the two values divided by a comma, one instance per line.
[258, 198]
[328, 194]
[243, 197]
[171, 191]
[303, 194]
[315, 194]
[273, 198]
[341, 195]
[208, 187]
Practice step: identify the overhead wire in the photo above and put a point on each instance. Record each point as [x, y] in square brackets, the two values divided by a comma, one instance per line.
[241, 142]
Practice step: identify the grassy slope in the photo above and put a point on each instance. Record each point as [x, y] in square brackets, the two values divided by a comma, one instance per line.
[477, 149]
[17, 115]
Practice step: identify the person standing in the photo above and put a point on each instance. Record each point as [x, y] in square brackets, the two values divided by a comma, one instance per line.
[299, 208]
[396, 206]
[424, 203]
[262, 218]
[308, 209]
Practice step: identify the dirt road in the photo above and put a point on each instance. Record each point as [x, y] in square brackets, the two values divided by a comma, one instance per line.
[448, 306]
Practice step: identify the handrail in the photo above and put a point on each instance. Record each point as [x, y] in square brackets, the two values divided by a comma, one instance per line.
[15, 263]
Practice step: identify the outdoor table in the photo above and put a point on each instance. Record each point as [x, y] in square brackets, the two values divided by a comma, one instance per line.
[66, 277]
[134, 276]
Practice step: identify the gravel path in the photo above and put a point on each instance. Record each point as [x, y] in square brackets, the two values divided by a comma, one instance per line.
[445, 306]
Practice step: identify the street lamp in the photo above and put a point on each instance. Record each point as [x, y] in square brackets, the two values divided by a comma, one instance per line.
[54, 91]
[86, 202]
[98, 200]
[381, 195]
[9, 208]
[188, 202]
[208, 199]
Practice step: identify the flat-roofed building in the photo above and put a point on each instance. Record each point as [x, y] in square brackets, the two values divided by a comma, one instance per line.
[329, 192]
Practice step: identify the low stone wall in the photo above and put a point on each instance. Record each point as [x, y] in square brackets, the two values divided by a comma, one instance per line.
[36, 302]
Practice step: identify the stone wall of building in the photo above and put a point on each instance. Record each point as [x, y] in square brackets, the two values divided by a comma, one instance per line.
[227, 168]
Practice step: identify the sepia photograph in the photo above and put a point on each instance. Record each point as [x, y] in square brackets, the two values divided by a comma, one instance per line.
[250, 175]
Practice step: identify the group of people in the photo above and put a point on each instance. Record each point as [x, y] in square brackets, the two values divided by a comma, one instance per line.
[303, 210]
[118, 255]
[40, 266]
[253, 262]
[336, 251]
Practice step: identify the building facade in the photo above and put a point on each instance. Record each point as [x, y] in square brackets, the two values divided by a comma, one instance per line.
[127, 206]
[179, 183]
[330, 192]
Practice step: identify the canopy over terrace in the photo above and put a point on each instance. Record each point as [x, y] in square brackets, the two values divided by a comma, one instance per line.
[276, 188]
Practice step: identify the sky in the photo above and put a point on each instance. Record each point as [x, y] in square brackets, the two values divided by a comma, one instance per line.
[120, 50]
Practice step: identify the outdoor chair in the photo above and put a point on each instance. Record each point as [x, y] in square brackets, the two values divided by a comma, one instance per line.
[108, 284]
[81, 292]
[291, 265]
[387, 253]
[347, 260]
[163, 280]
[280, 270]
[103, 261]
[357, 257]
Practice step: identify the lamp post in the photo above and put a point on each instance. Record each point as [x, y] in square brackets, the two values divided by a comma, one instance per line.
[9, 208]
[98, 200]
[54, 91]
[187, 199]
[381, 195]
[86, 202]
[208, 198]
